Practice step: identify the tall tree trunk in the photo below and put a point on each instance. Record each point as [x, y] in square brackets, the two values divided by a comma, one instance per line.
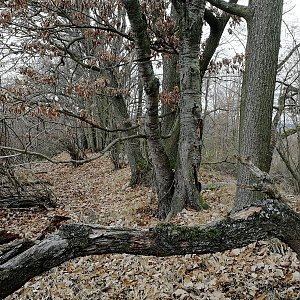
[162, 170]
[191, 16]
[257, 94]
[137, 163]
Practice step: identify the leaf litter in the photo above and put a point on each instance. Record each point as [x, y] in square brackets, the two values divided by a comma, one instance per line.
[95, 193]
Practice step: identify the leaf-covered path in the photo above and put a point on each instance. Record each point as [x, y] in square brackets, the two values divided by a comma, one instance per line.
[94, 193]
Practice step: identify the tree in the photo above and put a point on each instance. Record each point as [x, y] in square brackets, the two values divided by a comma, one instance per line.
[161, 165]
[268, 218]
[286, 139]
[190, 15]
[263, 42]
[181, 189]
[178, 190]
[88, 70]
[75, 38]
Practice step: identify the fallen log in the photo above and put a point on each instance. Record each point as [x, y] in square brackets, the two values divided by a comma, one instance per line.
[272, 218]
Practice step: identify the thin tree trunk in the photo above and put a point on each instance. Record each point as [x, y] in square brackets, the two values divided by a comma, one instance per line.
[161, 165]
[137, 163]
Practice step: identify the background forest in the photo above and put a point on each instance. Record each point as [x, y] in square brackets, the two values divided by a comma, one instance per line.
[130, 113]
[69, 82]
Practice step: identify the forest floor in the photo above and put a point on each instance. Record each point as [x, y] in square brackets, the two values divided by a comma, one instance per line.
[95, 193]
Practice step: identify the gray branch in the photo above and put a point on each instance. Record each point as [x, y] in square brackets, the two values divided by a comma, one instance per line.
[232, 8]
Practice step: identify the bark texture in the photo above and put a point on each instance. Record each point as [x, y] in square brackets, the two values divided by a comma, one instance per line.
[257, 94]
[169, 122]
[191, 16]
[271, 219]
[162, 170]
[138, 166]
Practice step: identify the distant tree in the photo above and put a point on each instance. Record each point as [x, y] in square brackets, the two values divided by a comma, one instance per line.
[82, 67]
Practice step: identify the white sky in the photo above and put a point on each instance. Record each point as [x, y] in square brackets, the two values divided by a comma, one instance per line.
[292, 11]
[290, 34]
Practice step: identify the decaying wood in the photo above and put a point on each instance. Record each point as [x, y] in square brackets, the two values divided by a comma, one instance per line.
[12, 249]
[265, 184]
[272, 218]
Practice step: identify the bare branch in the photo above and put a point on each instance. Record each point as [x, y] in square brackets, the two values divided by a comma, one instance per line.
[217, 26]
[280, 65]
[290, 132]
[233, 8]
[9, 156]
[266, 183]
[73, 161]
[93, 123]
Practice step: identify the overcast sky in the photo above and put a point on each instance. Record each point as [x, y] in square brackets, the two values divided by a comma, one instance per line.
[291, 18]
[292, 11]
[291, 23]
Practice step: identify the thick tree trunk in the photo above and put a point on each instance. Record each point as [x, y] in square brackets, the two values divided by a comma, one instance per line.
[186, 194]
[257, 94]
[270, 219]
[171, 77]
[161, 165]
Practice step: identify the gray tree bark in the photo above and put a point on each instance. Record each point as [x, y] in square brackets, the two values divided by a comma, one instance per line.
[170, 122]
[161, 165]
[189, 127]
[257, 97]
[186, 194]
[137, 163]
[264, 25]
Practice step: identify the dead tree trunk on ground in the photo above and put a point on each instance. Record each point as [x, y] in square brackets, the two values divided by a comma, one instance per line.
[272, 218]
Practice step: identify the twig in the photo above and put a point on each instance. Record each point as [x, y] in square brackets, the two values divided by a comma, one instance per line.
[93, 123]
[9, 156]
